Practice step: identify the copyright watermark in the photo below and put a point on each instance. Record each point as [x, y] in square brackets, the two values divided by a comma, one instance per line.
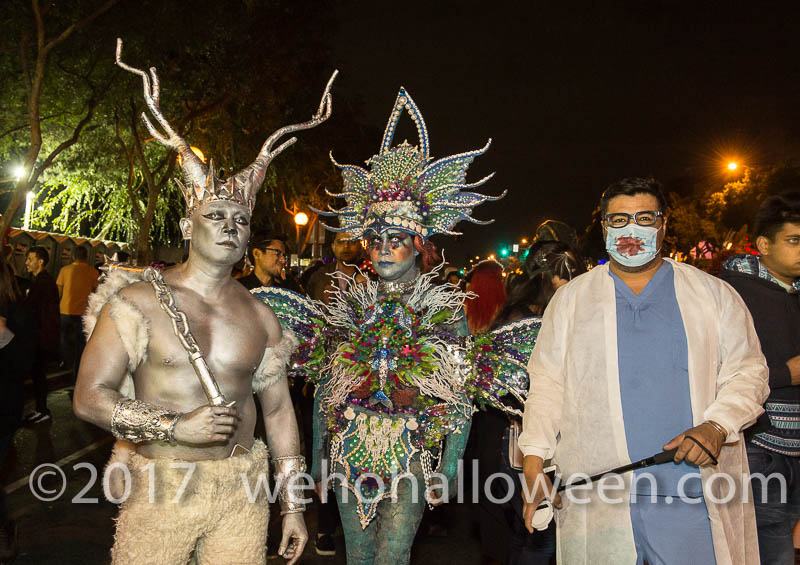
[48, 482]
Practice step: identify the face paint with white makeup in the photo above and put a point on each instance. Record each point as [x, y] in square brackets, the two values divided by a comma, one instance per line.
[392, 254]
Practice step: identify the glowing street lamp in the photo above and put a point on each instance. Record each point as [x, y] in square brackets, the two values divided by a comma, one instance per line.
[524, 241]
[19, 172]
[26, 224]
[196, 151]
[301, 218]
[733, 165]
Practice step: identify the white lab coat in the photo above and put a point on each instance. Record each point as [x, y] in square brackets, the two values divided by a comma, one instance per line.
[574, 411]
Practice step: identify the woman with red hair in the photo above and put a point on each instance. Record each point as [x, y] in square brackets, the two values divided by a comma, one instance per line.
[486, 281]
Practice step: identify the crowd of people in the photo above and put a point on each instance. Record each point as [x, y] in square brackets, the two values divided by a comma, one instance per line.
[402, 370]
[40, 329]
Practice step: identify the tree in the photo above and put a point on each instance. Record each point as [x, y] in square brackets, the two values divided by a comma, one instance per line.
[712, 213]
[226, 87]
[35, 47]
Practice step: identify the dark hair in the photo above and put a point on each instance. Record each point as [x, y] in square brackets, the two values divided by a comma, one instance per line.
[80, 254]
[9, 290]
[775, 211]
[556, 257]
[262, 239]
[529, 293]
[631, 187]
[41, 253]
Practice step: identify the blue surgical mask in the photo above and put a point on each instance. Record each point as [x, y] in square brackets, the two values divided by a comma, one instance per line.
[633, 245]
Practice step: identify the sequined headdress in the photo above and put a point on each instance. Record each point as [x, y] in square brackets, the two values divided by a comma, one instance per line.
[404, 190]
[201, 184]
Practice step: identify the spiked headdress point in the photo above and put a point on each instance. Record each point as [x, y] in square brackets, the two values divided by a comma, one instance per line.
[201, 184]
[404, 190]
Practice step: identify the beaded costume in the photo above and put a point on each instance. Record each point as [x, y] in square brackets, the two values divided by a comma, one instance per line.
[397, 376]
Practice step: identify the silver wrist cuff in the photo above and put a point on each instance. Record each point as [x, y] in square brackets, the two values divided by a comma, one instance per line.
[290, 495]
[139, 421]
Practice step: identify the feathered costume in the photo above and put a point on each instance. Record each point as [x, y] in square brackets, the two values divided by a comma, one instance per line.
[397, 376]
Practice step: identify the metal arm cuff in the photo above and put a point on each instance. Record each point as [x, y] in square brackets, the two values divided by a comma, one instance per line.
[289, 494]
[139, 421]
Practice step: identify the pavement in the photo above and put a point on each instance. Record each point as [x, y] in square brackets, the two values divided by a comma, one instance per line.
[69, 521]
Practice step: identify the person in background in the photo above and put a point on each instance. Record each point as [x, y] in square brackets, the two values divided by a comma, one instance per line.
[308, 272]
[549, 265]
[75, 283]
[42, 300]
[17, 347]
[267, 252]
[349, 254]
[486, 281]
[769, 284]
[451, 276]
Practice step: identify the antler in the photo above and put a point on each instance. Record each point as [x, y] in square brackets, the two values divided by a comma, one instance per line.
[323, 113]
[253, 175]
[191, 163]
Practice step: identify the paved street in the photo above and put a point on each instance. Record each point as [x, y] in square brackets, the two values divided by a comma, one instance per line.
[77, 527]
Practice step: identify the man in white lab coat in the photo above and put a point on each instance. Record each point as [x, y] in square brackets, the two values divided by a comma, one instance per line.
[639, 355]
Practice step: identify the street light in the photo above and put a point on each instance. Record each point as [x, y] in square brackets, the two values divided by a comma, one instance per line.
[524, 241]
[300, 219]
[733, 165]
[26, 224]
[196, 151]
[19, 172]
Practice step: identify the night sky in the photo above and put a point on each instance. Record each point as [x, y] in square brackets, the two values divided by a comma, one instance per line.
[575, 99]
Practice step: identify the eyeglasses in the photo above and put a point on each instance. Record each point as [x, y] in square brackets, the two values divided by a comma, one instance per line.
[278, 252]
[643, 218]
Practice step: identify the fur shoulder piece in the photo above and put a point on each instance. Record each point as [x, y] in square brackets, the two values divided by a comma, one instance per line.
[273, 365]
[132, 325]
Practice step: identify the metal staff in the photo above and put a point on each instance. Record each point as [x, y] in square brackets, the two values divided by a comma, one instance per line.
[657, 459]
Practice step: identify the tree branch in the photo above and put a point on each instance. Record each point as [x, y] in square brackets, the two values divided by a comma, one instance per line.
[137, 213]
[74, 27]
[94, 100]
[26, 126]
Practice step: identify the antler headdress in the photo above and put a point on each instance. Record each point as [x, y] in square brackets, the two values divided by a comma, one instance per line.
[403, 190]
[201, 183]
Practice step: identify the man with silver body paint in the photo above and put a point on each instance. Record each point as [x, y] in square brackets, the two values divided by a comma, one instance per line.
[185, 423]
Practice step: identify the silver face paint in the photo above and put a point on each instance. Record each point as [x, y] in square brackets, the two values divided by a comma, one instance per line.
[392, 254]
[220, 230]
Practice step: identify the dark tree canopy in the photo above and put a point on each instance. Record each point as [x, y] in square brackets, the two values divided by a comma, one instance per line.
[231, 73]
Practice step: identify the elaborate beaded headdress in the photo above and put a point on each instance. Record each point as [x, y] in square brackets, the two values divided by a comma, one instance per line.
[404, 190]
[201, 184]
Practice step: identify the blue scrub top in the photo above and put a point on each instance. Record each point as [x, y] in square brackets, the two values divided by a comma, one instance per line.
[654, 378]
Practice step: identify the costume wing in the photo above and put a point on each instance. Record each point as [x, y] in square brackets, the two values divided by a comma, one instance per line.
[306, 319]
[497, 364]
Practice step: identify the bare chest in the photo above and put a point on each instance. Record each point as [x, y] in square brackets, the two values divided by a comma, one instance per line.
[232, 342]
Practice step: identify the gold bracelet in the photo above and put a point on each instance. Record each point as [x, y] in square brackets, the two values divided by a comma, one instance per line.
[719, 428]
